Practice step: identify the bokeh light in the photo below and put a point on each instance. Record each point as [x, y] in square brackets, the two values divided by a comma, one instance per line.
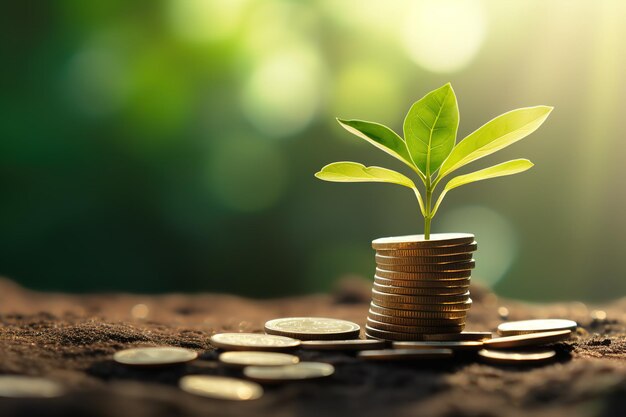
[205, 20]
[284, 91]
[496, 237]
[381, 17]
[444, 36]
[96, 81]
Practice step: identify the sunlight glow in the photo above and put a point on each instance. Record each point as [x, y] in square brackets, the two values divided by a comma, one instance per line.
[283, 93]
[205, 20]
[443, 36]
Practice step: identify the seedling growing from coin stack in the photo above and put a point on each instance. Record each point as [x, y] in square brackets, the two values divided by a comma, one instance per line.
[429, 148]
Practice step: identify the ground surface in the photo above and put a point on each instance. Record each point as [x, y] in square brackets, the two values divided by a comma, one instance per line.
[72, 338]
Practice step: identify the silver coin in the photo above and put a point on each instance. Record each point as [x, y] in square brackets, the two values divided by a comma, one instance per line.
[253, 341]
[154, 356]
[313, 328]
[256, 358]
[20, 386]
[512, 328]
[515, 358]
[220, 387]
[300, 371]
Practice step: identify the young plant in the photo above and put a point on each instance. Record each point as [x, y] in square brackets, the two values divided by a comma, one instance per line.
[429, 149]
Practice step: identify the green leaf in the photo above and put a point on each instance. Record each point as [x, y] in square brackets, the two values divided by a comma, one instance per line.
[430, 128]
[506, 168]
[355, 172]
[380, 136]
[494, 135]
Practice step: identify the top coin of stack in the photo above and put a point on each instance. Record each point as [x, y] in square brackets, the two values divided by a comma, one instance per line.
[421, 286]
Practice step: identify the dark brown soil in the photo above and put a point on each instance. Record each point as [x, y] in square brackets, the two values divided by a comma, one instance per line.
[71, 339]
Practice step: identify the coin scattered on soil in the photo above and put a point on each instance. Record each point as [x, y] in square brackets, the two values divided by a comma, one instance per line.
[515, 358]
[354, 344]
[512, 328]
[243, 358]
[438, 345]
[220, 387]
[313, 328]
[253, 341]
[20, 386]
[404, 354]
[419, 242]
[300, 371]
[463, 336]
[154, 356]
[531, 339]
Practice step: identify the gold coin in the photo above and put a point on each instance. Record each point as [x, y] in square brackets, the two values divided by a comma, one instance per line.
[458, 337]
[422, 283]
[353, 344]
[405, 354]
[442, 251]
[531, 339]
[425, 307]
[515, 358]
[405, 321]
[454, 345]
[512, 328]
[442, 291]
[220, 387]
[418, 314]
[300, 371]
[412, 329]
[154, 356]
[418, 299]
[418, 242]
[21, 386]
[385, 335]
[426, 276]
[422, 260]
[253, 341]
[244, 358]
[313, 328]
[449, 267]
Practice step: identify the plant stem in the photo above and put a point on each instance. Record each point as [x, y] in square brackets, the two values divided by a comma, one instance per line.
[428, 217]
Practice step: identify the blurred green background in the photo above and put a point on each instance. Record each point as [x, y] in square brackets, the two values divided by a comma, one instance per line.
[170, 145]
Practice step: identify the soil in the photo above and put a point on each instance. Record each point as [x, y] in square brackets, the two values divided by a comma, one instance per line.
[71, 338]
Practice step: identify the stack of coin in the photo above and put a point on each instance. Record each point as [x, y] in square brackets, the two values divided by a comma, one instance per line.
[421, 287]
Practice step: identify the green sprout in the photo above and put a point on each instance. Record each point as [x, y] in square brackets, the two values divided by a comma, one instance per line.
[429, 148]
